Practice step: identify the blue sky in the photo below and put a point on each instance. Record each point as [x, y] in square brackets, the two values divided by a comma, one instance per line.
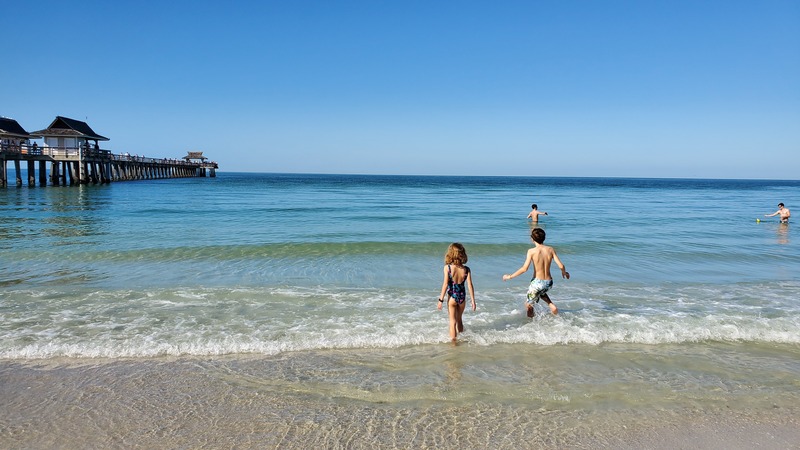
[706, 89]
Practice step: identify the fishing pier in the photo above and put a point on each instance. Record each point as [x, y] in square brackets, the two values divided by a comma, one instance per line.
[74, 155]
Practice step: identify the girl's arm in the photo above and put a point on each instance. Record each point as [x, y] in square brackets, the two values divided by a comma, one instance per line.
[444, 289]
[471, 290]
[522, 269]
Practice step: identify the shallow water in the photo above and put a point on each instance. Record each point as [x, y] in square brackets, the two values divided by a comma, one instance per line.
[506, 396]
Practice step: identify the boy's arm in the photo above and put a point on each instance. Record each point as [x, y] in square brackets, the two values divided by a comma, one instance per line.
[522, 269]
[564, 273]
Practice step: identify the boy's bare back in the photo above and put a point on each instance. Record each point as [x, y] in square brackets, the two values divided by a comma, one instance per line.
[534, 215]
[541, 256]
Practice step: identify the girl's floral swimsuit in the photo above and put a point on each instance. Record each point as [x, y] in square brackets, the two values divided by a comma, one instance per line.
[456, 290]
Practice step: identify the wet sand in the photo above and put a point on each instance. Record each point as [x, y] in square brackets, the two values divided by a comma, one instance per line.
[225, 403]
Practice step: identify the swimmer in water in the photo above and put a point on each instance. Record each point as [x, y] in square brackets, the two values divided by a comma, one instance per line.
[783, 212]
[535, 213]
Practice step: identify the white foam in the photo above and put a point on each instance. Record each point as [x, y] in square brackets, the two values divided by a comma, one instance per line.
[174, 322]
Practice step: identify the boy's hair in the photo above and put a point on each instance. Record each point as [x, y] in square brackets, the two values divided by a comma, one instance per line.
[533, 206]
[538, 235]
[780, 204]
[456, 254]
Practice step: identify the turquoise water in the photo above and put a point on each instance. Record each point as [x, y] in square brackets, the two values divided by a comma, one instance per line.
[319, 292]
[267, 263]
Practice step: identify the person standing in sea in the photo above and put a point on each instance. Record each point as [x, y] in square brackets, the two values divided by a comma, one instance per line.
[456, 276]
[783, 212]
[535, 213]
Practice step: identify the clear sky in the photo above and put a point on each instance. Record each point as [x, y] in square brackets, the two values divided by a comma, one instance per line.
[670, 88]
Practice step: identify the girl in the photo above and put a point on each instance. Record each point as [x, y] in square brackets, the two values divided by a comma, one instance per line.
[456, 274]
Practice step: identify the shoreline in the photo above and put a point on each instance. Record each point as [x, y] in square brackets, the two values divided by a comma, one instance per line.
[300, 401]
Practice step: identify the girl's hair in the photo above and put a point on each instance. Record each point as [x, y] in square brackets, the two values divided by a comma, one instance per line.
[456, 254]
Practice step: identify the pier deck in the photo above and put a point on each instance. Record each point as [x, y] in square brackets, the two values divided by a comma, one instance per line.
[88, 165]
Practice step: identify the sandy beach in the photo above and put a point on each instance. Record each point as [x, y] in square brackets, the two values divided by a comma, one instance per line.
[223, 403]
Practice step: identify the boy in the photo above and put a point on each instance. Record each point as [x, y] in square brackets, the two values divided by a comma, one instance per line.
[541, 256]
[535, 213]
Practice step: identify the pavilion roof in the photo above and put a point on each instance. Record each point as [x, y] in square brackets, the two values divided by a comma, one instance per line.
[195, 155]
[11, 128]
[64, 126]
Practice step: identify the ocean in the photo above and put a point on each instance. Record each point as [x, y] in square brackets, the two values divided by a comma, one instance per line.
[292, 310]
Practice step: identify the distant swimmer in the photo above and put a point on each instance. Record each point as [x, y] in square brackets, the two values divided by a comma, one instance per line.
[535, 213]
[783, 212]
[541, 257]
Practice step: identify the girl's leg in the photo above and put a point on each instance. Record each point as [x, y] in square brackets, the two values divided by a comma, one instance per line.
[460, 313]
[452, 309]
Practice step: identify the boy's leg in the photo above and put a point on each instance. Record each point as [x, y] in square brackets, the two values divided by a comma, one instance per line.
[553, 307]
[529, 308]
